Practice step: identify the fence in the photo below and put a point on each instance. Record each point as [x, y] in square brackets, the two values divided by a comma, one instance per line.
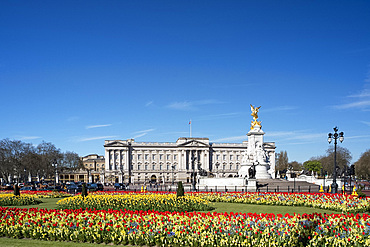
[189, 188]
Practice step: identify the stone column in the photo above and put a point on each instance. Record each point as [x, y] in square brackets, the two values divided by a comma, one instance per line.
[126, 160]
[206, 160]
[107, 158]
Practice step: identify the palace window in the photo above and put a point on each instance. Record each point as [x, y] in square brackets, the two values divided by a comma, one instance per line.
[231, 157]
[168, 157]
[237, 157]
[174, 156]
[160, 167]
[146, 167]
[138, 167]
[224, 157]
[153, 157]
[139, 156]
[161, 156]
[168, 167]
[217, 157]
[153, 167]
[231, 167]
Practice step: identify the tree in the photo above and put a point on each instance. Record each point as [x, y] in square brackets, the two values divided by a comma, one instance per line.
[30, 159]
[11, 158]
[295, 166]
[71, 161]
[281, 161]
[362, 166]
[312, 165]
[343, 159]
[48, 154]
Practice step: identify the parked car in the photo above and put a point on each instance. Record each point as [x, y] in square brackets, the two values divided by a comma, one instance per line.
[94, 186]
[74, 189]
[6, 187]
[28, 188]
[120, 186]
[56, 188]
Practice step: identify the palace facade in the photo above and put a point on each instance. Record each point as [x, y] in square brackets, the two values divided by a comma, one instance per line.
[143, 162]
[92, 171]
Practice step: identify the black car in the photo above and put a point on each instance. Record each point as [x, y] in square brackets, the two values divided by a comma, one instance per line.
[74, 189]
[31, 188]
[95, 187]
[55, 188]
[120, 186]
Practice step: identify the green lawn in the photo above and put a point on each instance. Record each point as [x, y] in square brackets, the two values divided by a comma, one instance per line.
[9, 242]
[259, 209]
[221, 207]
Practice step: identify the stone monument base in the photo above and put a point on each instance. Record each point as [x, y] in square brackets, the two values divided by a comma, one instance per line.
[223, 184]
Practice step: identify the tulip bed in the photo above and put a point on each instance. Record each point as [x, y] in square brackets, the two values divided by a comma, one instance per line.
[137, 201]
[335, 202]
[41, 194]
[12, 200]
[185, 228]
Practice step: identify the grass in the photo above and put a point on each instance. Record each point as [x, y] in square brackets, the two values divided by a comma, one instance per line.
[50, 203]
[259, 209]
[10, 242]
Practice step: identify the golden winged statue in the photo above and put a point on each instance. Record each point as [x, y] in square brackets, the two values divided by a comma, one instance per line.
[255, 116]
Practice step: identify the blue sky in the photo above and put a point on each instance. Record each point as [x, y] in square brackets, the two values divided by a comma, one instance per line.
[75, 73]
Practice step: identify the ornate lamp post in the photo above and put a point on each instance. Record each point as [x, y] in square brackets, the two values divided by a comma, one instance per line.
[55, 164]
[25, 176]
[193, 159]
[335, 136]
[121, 174]
[217, 165]
[173, 168]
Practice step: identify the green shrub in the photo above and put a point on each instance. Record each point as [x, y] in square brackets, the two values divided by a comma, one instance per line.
[180, 189]
[359, 191]
[84, 190]
[16, 190]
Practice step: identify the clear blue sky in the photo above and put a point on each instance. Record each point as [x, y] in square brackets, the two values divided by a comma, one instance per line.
[75, 73]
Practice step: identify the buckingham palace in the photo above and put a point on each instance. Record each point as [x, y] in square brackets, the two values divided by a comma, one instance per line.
[154, 162]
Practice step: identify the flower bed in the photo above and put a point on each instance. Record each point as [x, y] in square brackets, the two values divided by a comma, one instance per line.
[12, 200]
[41, 194]
[186, 229]
[137, 201]
[335, 202]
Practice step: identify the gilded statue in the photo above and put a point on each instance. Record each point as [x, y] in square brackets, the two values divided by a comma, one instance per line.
[255, 117]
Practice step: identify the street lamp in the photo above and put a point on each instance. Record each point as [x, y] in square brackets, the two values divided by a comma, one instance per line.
[292, 175]
[173, 168]
[122, 174]
[217, 165]
[55, 164]
[335, 136]
[193, 159]
[25, 175]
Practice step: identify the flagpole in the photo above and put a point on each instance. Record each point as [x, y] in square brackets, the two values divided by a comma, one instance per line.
[190, 127]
